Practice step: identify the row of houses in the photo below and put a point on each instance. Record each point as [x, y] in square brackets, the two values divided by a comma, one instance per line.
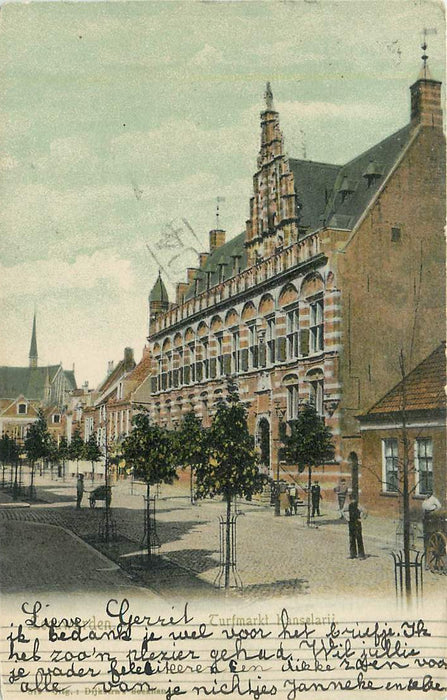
[332, 294]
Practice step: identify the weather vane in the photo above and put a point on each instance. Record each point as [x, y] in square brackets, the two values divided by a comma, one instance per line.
[218, 201]
[424, 47]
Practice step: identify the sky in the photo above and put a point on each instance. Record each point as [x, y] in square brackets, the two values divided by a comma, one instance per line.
[122, 122]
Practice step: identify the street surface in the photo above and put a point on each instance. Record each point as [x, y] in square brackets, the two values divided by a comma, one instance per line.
[275, 555]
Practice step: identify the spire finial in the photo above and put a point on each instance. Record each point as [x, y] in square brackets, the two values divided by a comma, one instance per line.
[33, 357]
[425, 72]
[268, 95]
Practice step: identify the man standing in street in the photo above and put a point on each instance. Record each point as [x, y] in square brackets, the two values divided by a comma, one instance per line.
[355, 513]
[79, 490]
[316, 498]
[342, 491]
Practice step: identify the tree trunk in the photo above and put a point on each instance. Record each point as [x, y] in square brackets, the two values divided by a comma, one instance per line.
[148, 519]
[309, 493]
[405, 484]
[228, 543]
[191, 485]
[93, 471]
[31, 486]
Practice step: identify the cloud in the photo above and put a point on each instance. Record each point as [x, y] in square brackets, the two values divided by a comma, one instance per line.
[86, 272]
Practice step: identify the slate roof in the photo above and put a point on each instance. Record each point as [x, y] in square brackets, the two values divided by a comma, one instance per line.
[314, 183]
[345, 214]
[425, 388]
[159, 291]
[29, 381]
[220, 255]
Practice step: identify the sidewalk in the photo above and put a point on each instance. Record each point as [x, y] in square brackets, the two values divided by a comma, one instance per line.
[275, 555]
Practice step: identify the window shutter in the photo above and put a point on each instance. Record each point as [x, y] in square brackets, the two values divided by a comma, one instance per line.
[255, 356]
[281, 349]
[304, 341]
[262, 355]
[227, 363]
[213, 367]
[186, 374]
[153, 385]
[244, 359]
[199, 372]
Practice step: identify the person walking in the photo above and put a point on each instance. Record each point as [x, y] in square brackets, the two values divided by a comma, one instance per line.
[79, 490]
[316, 496]
[342, 491]
[355, 514]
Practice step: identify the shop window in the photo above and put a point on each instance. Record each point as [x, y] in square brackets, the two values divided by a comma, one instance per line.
[390, 465]
[424, 465]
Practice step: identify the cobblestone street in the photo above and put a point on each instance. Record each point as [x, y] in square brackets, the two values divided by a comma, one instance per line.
[275, 555]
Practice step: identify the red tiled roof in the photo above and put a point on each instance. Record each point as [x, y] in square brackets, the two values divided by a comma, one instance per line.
[142, 369]
[425, 387]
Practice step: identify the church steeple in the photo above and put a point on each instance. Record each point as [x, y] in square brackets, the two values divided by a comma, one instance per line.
[33, 356]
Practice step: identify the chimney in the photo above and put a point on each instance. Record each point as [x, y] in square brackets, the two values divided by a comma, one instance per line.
[203, 257]
[180, 291]
[217, 238]
[190, 274]
[128, 358]
[426, 108]
[110, 365]
[85, 386]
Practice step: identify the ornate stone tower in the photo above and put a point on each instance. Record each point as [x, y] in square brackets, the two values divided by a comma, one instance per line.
[33, 356]
[158, 300]
[273, 218]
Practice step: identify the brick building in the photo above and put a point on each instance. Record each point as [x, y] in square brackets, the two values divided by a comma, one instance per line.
[339, 269]
[414, 410]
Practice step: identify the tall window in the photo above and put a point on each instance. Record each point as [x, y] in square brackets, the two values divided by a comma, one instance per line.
[205, 359]
[159, 373]
[316, 325]
[192, 362]
[292, 329]
[424, 464]
[169, 358]
[316, 391]
[271, 336]
[235, 345]
[180, 366]
[220, 367]
[252, 346]
[292, 402]
[390, 470]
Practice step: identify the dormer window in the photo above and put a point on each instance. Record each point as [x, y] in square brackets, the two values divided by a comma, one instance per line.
[22, 409]
[372, 173]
